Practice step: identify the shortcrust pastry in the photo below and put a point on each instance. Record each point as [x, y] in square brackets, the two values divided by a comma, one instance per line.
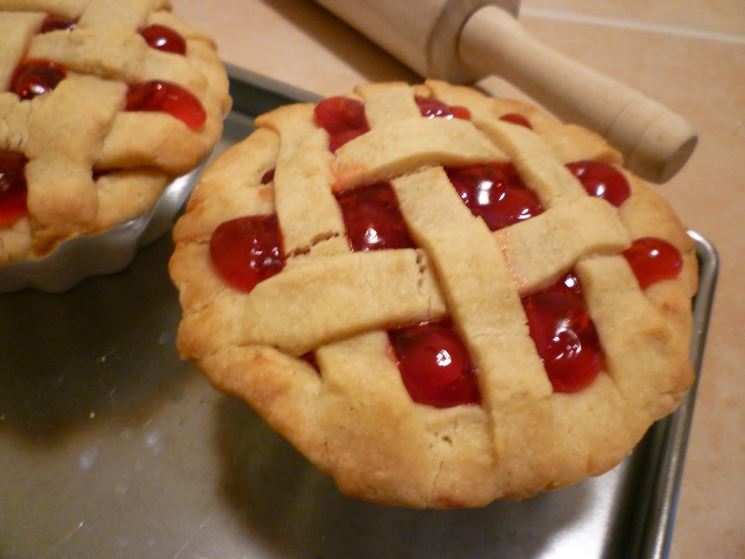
[103, 103]
[439, 298]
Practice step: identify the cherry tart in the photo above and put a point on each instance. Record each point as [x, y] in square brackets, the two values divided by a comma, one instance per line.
[439, 298]
[102, 105]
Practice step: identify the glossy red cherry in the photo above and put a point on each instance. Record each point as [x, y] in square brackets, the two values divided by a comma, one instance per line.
[601, 180]
[343, 118]
[434, 108]
[495, 193]
[653, 260]
[268, 177]
[373, 218]
[164, 38]
[247, 250]
[564, 334]
[516, 118]
[338, 114]
[55, 22]
[435, 366]
[158, 96]
[36, 77]
[12, 187]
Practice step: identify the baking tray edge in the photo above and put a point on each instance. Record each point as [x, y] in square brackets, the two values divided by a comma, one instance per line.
[659, 522]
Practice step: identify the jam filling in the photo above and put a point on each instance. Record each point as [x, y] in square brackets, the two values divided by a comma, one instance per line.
[496, 193]
[343, 118]
[373, 219]
[247, 250]
[55, 22]
[268, 177]
[601, 180]
[516, 118]
[12, 187]
[434, 108]
[310, 359]
[97, 173]
[159, 96]
[164, 38]
[564, 334]
[434, 363]
[36, 77]
[653, 260]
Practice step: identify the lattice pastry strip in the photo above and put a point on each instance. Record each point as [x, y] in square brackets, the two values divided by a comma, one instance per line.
[334, 388]
[649, 338]
[78, 77]
[397, 147]
[65, 201]
[98, 51]
[535, 162]
[232, 194]
[387, 103]
[587, 226]
[306, 209]
[634, 350]
[133, 14]
[76, 9]
[16, 30]
[568, 142]
[477, 287]
[352, 400]
[288, 311]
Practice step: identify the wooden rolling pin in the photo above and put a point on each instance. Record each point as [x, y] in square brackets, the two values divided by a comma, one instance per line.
[463, 40]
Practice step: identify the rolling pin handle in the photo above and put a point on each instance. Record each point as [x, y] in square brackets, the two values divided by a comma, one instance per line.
[655, 141]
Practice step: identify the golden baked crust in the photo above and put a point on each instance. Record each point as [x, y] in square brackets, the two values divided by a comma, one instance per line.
[81, 126]
[356, 420]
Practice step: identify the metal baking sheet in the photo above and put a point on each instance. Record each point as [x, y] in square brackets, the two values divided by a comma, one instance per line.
[110, 446]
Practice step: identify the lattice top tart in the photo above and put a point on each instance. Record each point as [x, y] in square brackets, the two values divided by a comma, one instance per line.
[439, 298]
[104, 102]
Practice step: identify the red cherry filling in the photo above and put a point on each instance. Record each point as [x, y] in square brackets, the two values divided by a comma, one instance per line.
[653, 260]
[373, 219]
[601, 180]
[516, 118]
[495, 193]
[164, 38]
[434, 363]
[343, 118]
[564, 334]
[36, 77]
[55, 22]
[98, 173]
[167, 97]
[434, 108]
[268, 177]
[12, 187]
[310, 359]
[247, 250]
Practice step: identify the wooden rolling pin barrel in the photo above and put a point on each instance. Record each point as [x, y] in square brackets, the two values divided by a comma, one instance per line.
[463, 40]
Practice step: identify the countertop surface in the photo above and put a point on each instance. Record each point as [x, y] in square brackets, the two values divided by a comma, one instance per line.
[691, 57]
